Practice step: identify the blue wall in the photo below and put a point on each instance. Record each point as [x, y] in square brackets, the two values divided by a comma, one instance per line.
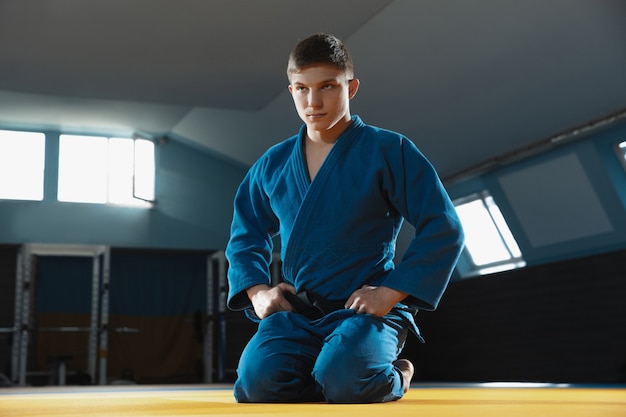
[195, 191]
[597, 176]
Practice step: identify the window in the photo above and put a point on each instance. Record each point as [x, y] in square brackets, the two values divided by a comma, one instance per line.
[22, 162]
[106, 170]
[489, 244]
[621, 150]
[144, 174]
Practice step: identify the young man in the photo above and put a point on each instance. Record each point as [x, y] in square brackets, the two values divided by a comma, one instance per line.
[337, 194]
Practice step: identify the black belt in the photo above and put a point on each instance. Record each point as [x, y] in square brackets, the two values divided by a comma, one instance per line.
[312, 305]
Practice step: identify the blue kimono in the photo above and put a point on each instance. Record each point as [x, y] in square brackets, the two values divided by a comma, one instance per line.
[338, 233]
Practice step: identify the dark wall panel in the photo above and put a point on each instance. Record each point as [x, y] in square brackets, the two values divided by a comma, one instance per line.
[8, 261]
[562, 322]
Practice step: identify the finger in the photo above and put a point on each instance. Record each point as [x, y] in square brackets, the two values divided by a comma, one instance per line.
[356, 306]
[286, 306]
[286, 287]
[282, 303]
[354, 298]
[361, 309]
[349, 302]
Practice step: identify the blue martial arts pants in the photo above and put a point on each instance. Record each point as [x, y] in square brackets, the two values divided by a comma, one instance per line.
[343, 357]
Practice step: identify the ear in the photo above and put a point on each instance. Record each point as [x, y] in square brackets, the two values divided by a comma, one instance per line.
[290, 89]
[353, 87]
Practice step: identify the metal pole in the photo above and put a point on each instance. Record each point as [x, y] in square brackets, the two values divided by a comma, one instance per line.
[221, 315]
[93, 326]
[25, 316]
[208, 336]
[104, 317]
[17, 315]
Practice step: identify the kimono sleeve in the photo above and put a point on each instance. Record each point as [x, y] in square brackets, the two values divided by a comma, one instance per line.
[417, 193]
[249, 250]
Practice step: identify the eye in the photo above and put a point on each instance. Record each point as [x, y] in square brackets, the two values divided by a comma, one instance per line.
[301, 88]
[327, 86]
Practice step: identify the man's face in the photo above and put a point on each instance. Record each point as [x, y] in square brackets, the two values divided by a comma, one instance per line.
[321, 94]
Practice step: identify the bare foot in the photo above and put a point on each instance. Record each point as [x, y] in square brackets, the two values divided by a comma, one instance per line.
[407, 370]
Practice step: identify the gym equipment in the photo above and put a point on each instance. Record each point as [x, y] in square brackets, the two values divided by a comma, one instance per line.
[98, 331]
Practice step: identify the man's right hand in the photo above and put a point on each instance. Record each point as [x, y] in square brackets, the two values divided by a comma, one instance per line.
[267, 300]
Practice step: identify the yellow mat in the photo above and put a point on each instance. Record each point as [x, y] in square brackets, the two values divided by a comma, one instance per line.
[435, 401]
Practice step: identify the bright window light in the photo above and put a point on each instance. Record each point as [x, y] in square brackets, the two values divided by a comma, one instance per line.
[145, 170]
[621, 152]
[83, 169]
[22, 163]
[102, 170]
[489, 242]
[120, 171]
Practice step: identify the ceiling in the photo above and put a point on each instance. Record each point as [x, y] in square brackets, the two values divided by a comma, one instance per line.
[467, 81]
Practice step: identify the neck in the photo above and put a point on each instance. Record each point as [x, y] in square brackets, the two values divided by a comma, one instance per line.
[330, 136]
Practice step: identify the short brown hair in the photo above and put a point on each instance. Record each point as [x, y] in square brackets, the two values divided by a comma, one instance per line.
[320, 48]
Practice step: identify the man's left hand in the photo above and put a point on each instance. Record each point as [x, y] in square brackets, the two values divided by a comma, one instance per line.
[376, 301]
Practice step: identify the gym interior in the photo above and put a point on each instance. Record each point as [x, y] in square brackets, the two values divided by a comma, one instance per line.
[520, 106]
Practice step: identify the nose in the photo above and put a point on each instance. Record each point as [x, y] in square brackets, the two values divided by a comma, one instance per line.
[314, 99]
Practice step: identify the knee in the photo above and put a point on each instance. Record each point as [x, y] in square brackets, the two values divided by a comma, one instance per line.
[350, 385]
[252, 386]
[339, 390]
[355, 367]
[340, 382]
[274, 384]
[258, 375]
[271, 370]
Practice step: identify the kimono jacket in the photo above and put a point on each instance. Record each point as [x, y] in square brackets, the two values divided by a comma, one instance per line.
[338, 232]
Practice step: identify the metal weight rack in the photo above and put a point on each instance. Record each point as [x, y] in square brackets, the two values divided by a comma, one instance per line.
[99, 306]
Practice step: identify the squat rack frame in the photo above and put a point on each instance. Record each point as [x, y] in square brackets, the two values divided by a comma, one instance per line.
[99, 313]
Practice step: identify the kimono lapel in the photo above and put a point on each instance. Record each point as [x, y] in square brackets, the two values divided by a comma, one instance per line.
[298, 166]
[313, 192]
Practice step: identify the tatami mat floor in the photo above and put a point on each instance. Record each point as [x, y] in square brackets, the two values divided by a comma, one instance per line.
[476, 400]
